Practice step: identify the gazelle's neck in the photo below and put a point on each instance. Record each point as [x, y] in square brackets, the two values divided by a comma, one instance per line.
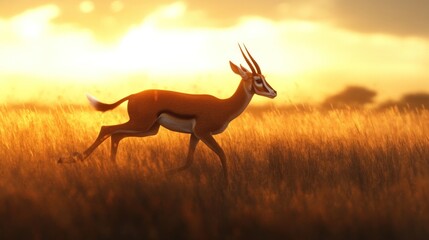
[236, 104]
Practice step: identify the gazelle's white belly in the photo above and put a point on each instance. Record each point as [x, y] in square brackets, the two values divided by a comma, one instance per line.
[176, 124]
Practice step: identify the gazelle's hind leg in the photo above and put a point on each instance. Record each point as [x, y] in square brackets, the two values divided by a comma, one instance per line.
[106, 132]
[190, 158]
[130, 127]
[117, 137]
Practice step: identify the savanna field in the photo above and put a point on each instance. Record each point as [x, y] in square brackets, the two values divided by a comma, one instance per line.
[293, 175]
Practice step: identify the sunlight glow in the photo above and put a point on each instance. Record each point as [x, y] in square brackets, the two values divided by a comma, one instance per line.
[116, 6]
[173, 11]
[86, 6]
[295, 55]
[33, 24]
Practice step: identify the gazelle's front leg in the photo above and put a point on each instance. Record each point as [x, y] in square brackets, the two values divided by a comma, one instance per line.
[209, 140]
[190, 158]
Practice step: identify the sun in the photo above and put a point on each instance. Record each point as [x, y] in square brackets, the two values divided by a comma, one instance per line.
[86, 6]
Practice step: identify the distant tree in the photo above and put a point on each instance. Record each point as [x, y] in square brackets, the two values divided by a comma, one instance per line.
[353, 96]
[408, 102]
[416, 100]
[389, 104]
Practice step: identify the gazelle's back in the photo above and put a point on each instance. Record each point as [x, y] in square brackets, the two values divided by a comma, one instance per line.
[180, 104]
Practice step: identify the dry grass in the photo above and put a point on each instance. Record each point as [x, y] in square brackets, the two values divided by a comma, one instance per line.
[338, 175]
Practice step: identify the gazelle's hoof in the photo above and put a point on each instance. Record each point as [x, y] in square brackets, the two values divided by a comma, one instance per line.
[77, 156]
[74, 157]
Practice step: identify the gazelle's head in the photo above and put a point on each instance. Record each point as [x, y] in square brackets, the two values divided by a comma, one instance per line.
[254, 81]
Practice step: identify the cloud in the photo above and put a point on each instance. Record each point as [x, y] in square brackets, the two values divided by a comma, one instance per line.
[309, 57]
[29, 24]
[105, 20]
[31, 45]
[292, 45]
[397, 17]
[110, 22]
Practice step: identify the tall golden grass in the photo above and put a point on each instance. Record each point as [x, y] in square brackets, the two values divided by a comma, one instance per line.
[341, 175]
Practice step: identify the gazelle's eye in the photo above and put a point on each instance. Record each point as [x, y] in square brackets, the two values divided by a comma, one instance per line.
[258, 80]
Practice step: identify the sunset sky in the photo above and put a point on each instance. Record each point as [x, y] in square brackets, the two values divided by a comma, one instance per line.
[308, 49]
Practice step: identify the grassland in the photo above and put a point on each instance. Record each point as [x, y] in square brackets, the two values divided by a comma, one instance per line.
[302, 175]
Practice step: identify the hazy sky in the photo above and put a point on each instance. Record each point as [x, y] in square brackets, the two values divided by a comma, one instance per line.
[396, 17]
[307, 48]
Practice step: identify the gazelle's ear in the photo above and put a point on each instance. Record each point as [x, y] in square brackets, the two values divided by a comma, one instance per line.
[237, 70]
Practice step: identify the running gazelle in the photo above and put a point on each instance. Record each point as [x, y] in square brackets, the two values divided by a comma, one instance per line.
[202, 116]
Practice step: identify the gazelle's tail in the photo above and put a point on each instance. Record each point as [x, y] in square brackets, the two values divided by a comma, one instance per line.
[102, 107]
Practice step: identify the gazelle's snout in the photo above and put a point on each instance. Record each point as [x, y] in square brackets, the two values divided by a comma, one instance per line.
[274, 94]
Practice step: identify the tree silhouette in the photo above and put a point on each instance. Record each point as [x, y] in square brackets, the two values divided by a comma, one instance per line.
[353, 96]
[408, 102]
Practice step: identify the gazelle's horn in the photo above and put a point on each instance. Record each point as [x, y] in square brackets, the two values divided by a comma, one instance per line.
[247, 60]
[253, 60]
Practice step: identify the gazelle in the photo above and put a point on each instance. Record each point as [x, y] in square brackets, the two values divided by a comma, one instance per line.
[202, 116]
